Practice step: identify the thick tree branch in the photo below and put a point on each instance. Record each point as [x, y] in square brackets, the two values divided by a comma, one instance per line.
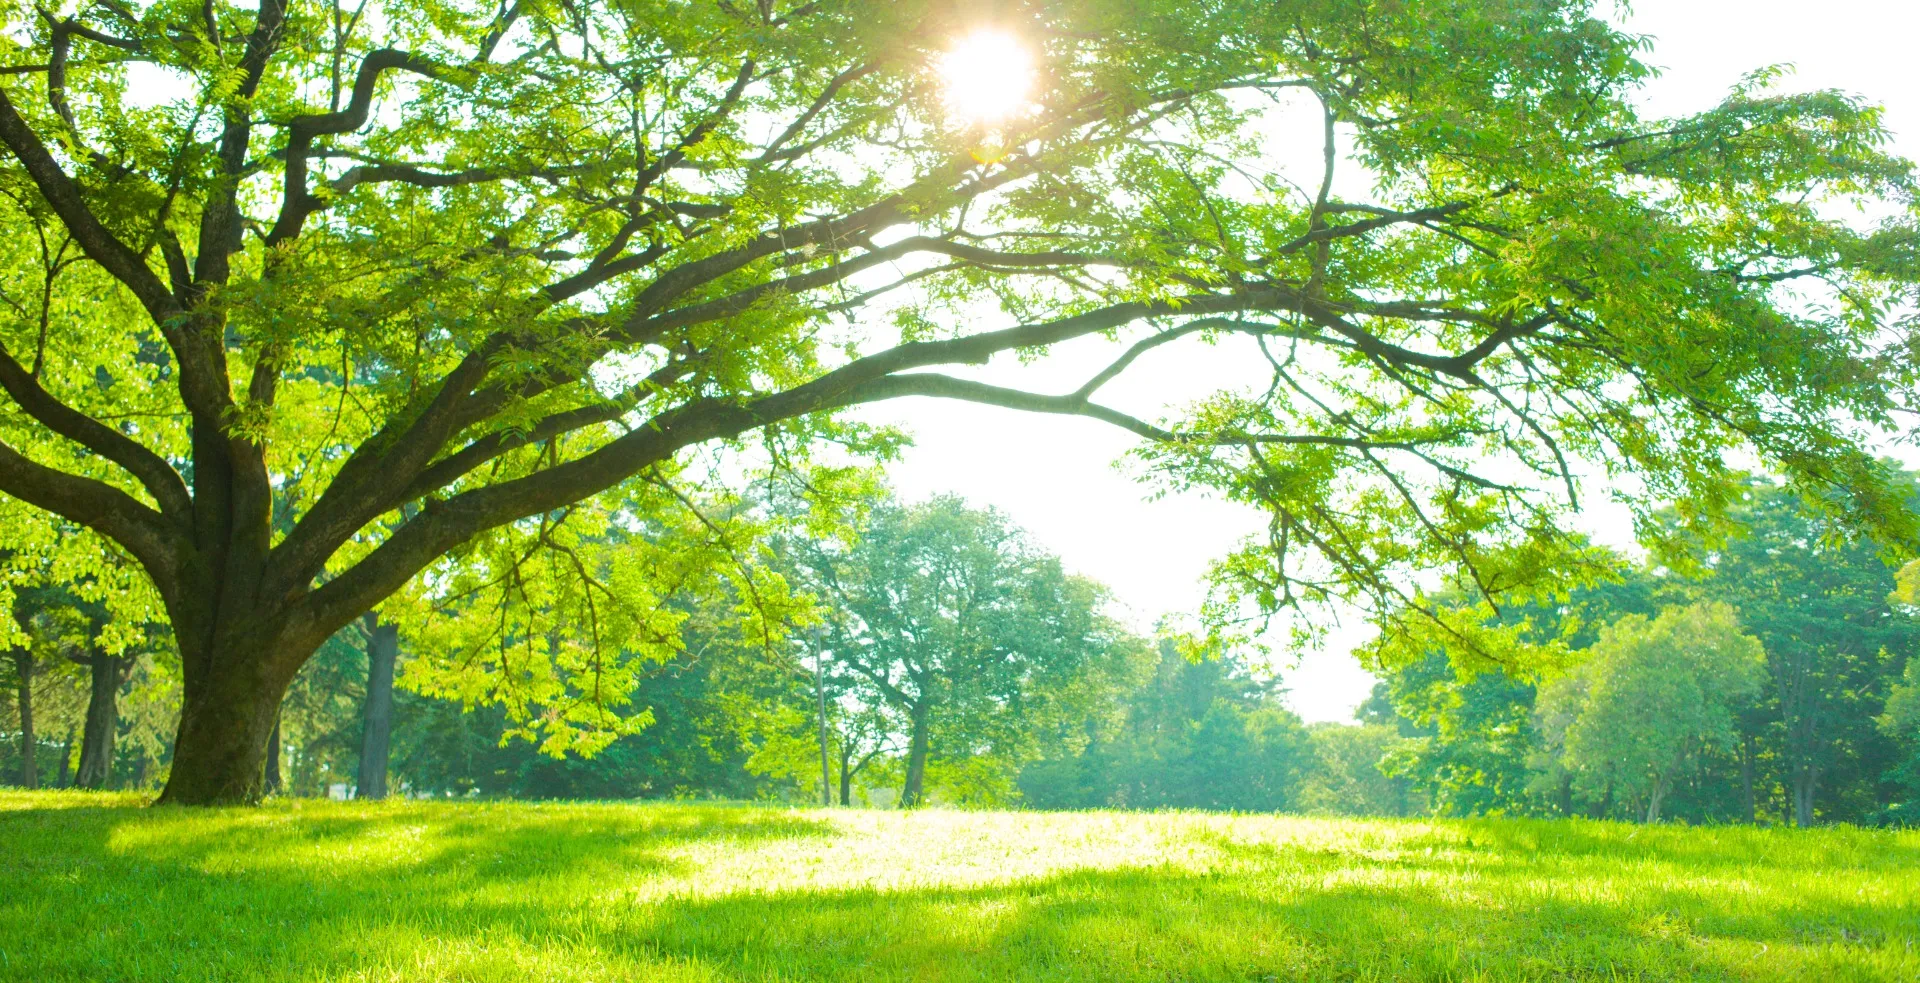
[443, 525]
[146, 534]
[363, 484]
[64, 197]
[440, 526]
[220, 215]
[297, 202]
[698, 132]
[154, 473]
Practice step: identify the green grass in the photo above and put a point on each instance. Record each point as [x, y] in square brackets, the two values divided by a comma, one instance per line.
[95, 888]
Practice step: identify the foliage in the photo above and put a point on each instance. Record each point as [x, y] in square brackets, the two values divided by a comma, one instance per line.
[1469, 735]
[301, 304]
[1818, 599]
[1201, 734]
[1902, 723]
[1347, 780]
[437, 892]
[972, 643]
[1462, 686]
[558, 621]
[1815, 596]
[688, 751]
[1650, 697]
[692, 726]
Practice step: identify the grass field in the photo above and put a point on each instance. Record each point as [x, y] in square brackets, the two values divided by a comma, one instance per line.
[95, 888]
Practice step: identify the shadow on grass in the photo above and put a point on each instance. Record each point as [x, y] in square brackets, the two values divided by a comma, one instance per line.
[1700, 848]
[616, 893]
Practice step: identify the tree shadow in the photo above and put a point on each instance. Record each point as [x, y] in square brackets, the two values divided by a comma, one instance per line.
[1701, 848]
[662, 893]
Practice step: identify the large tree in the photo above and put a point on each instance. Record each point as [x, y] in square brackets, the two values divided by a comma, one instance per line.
[302, 297]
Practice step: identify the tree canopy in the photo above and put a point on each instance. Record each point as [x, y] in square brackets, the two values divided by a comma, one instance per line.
[1653, 694]
[958, 639]
[301, 299]
[1489, 710]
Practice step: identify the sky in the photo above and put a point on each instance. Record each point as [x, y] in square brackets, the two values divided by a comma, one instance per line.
[1057, 478]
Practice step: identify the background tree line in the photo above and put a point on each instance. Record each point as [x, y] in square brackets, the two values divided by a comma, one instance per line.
[949, 659]
[1773, 681]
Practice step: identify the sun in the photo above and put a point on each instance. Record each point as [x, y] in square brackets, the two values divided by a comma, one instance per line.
[988, 77]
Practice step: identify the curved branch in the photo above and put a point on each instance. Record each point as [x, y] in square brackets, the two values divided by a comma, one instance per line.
[154, 473]
[220, 214]
[101, 507]
[359, 489]
[297, 202]
[819, 105]
[1073, 404]
[441, 525]
[63, 196]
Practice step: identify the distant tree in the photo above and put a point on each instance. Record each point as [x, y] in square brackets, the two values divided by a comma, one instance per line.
[1463, 687]
[1195, 734]
[1901, 722]
[75, 602]
[1348, 780]
[1818, 599]
[1557, 704]
[1816, 596]
[1655, 694]
[376, 709]
[26, 663]
[971, 638]
[1469, 731]
[861, 737]
[45, 674]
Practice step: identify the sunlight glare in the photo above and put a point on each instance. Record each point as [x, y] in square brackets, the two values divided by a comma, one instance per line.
[987, 76]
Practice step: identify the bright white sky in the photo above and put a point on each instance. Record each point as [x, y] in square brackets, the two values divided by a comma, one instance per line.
[1055, 476]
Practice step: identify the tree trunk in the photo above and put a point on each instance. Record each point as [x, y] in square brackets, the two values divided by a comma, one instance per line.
[1566, 793]
[1805, 782]
[914, 790]
[846, 774]
[1746, 779]
[29, 770]
[1653, 802]
[376, 720]
[103, 720]
[229, 710]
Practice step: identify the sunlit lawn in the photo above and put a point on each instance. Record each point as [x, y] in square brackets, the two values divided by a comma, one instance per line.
[95, 888]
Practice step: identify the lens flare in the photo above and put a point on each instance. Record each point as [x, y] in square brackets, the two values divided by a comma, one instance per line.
[988, 77]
